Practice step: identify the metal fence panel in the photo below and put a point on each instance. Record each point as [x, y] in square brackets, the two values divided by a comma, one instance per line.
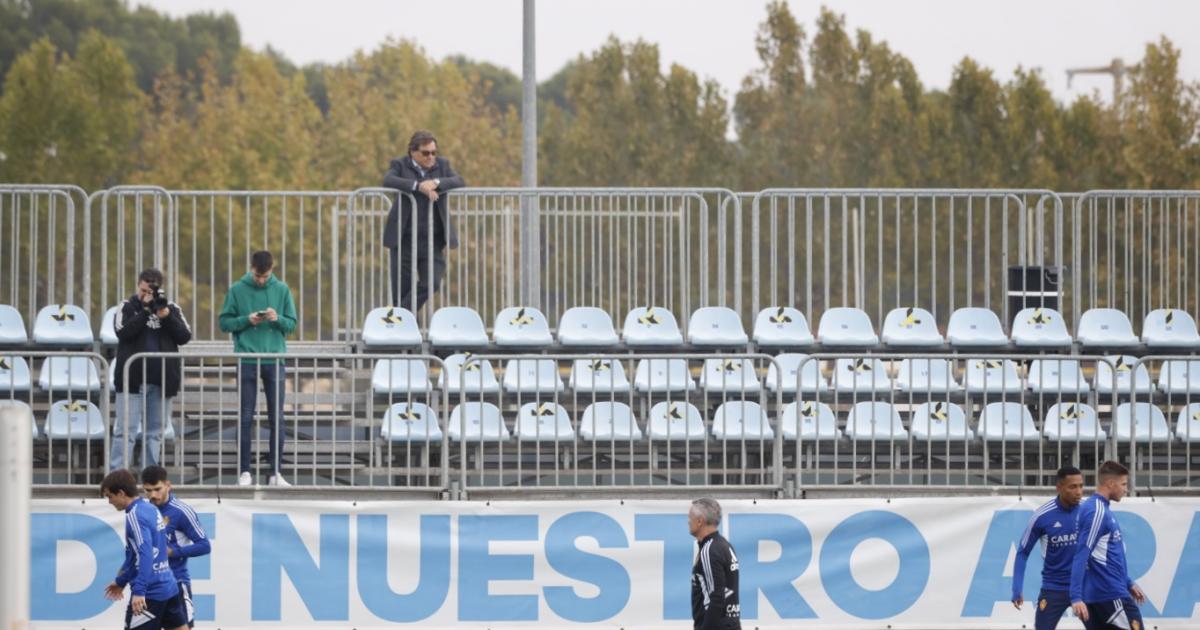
[40, 264]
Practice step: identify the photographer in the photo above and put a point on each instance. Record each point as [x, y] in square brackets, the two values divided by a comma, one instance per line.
[147, 322]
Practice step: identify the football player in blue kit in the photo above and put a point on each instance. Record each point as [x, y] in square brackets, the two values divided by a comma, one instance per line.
[1053, 526]
[1102, 594]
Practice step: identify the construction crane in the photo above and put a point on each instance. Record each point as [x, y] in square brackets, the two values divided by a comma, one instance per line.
[1117, 69]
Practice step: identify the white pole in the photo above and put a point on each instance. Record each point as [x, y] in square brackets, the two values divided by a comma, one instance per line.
[531, 250]
[16, 461]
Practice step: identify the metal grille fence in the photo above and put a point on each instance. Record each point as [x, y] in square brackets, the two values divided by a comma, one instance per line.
[39, 264]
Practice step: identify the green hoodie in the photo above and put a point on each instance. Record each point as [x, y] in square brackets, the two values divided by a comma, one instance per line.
[246, 297]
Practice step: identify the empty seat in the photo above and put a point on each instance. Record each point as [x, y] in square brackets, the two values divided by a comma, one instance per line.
[659, 376]
[1070, 422]
[543, 422]
[12, 326]
[1007, 422]
[605, 376]
[62, 325]
[1179, 378]
[741, 420]
[846, 328]
[390, 326]
[609, 421]
[14, 375]
[926, 376]
[457, 327]
[1170, 328]
[782, 327]
[1140, 422]
[1187, 424]
[861, 375]
[1040, 328]
[911, 327]
[675, 421]
[21, 407]
[478, 377]
[1131, 376]
[651, 326]
[975, 328]
[783, 374]
[993, 376]
[400, 376]
[878, 421]
[1057, 376]
[521, 327]
[586, 326]
[108, 327]
[729, 376]
[1106, 328]
[73, 374]
[717, 326]
[940, 421]
[477, 422]
[410, 422]
[808, 421]
[75, 420]
[532, 376]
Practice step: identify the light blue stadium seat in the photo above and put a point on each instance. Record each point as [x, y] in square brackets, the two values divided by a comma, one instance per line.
[1170, 328]
[477, 378]
[62, 325]
[926, 376]
[660, 376]
[400, 376]
[605, 376]
[1007, 422]
[14, 375]
[587, 326]
[940, 421]
[729, 376]
[69, 374]
[75, 420]
[532, 376]
[521, 327]
[1057, 376]
[1126, 375]
[861, 375]
[1187, 423]
[782, 327]
[846, 328]
[1140, 422]
[609, 421]
[993, 376]
[410, 422]
[975, 328]
[108, 326]
[716, 326]
[789, 365]
[543, 422]
[911, 327]
[809, 421]
[651, 326]
[12, 326]
[390, 326]
[878, 421]
[1071, 421]
[740, 420]
[22, 407]
[1106, 328]
[477, 422]
[457, 327]
[1179, 378]
[1040, 328]
[675, 421]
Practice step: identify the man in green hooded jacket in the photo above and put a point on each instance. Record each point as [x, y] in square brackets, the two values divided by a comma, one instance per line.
[260, 313]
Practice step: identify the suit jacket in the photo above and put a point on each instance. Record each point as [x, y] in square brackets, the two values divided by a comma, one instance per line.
[403, 176]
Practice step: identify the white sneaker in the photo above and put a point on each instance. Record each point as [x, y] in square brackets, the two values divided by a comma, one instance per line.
[278, 480]
[244, 479]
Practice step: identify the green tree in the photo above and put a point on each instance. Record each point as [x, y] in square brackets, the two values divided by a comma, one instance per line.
[1160, 120]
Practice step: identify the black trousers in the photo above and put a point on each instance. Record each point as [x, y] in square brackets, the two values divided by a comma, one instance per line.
[404, 259]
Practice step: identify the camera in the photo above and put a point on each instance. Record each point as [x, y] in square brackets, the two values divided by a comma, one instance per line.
[158, 299]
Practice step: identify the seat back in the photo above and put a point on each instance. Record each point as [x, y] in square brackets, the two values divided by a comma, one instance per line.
[69, 374]
[12, 326]
[14, 375]
[1140, 422]
[939, 421]
[1128, 373]
[400, 376]
[911, 327]
[598, 375]
[390, 326]
[863, 374]
[783, 374]
[75, 420]
[675, 421]
[875, 420]
[1187, 423]
[1057, 376]
[411, 422]
[1170, 328]
[663, 375]
[651, 326]
[477, 378]
[1007, 422]
[975, 327]
[1106, 327]
[586, 326]
[741, 420]
[62, 325]
[926, 376]
[108, 326]
[729, 375]
[1040, 327]
[1069, 421]
[477, 421]
[781, 327]
[543, 422]
[532, 376]
[993, 376]
[846, 327]
[808, 420]
[608, 420]
[1177, 377]
[521, 326]
[457, 327]
[716, 326]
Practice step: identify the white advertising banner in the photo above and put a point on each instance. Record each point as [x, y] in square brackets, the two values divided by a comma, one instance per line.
[851, 563]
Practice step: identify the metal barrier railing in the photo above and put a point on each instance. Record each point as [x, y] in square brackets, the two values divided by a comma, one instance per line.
[40, 264]
[1160, 437]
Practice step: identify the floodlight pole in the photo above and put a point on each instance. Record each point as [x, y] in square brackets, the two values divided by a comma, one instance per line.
[531, 249]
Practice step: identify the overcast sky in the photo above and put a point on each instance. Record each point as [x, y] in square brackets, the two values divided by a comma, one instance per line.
[716, 38]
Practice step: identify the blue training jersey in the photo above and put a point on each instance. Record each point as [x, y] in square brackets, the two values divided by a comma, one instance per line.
[185, 536]
[146, 569]
[1098, 572]
[1053, 526]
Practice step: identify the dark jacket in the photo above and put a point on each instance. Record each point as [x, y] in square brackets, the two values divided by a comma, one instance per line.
[404, 176]
[139, 330]
[716, 602]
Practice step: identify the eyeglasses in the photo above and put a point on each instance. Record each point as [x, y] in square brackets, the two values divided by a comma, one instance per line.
[428, 153]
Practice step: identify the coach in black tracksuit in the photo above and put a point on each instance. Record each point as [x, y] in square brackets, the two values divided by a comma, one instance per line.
[715, 599]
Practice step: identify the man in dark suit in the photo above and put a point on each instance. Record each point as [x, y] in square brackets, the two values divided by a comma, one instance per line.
[427, 178]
